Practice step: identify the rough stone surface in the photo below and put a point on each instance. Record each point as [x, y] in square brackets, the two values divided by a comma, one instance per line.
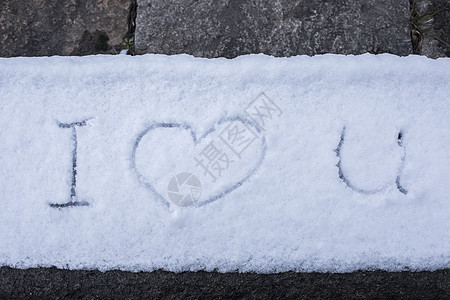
[434, 20]
[228, 28]
[63, 27]
[53, 283]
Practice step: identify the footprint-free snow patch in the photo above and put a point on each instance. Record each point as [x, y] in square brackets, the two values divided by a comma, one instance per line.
[240, 164]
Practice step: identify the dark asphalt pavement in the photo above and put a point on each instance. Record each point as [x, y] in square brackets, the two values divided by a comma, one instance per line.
[52, 283]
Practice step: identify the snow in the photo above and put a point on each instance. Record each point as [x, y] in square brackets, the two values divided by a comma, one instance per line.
[350, 172]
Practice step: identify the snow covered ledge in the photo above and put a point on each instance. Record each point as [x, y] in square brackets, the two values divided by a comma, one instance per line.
[326, 163]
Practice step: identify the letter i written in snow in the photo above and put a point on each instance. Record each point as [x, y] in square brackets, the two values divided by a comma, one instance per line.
[73, 190]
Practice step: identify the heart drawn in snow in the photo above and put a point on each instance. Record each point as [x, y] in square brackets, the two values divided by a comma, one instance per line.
[220, 161]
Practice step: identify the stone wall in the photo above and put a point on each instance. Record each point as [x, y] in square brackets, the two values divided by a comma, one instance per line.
[63, 27]
[225, 28]
[431, 27]
[281, 28]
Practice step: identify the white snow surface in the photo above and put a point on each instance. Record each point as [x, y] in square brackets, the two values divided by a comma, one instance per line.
[281, 205]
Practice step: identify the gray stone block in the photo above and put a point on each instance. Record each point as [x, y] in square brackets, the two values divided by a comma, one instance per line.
[228, 28]
[63, 27]
[431, 27]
